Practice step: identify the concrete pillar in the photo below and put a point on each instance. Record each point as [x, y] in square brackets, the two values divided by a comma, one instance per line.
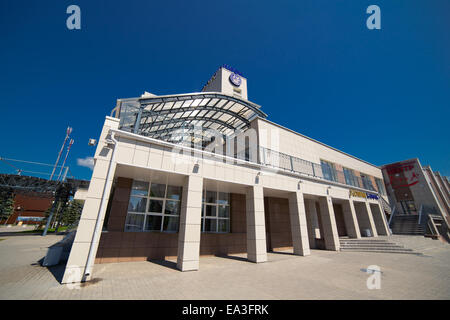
[190, 224]
[379, 219]
[330, 236]
[256, 228]
[76, 264]
[299, 227]
[370, 219]
[351, 222]
[312, 222]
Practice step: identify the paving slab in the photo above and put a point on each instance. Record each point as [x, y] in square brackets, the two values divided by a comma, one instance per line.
[322, 275]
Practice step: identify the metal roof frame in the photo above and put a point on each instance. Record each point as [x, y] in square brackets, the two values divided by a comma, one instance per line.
[158, 116]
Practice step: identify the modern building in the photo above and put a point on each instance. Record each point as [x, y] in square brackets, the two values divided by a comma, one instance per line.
[207, 173]
[29, 208]
[417, 194]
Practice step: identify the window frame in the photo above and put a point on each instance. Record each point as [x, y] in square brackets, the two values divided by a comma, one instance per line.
[380, 182]
[216, 217]
[367, 182]
[350, 178]
[332, 167]
[161, 214]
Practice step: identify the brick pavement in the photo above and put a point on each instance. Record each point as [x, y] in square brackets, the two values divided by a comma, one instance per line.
[322, 275]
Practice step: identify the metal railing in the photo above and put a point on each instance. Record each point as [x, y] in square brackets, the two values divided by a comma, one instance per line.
[284, 161]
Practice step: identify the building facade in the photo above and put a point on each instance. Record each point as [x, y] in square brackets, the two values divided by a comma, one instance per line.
[415, 190]
[206, 173]
[29, 208]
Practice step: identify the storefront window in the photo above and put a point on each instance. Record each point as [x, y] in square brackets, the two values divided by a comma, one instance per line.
[153, 207]
[216, 212]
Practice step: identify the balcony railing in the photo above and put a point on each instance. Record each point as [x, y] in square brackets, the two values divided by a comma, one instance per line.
[284, 161]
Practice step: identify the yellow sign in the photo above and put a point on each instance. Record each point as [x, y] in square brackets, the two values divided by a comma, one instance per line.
[354, 193]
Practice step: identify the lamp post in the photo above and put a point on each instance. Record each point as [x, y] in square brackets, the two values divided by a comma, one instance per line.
[19, 209]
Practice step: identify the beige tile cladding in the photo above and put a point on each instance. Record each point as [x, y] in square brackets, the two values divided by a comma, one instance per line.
[379, 219]
[312, 222]
[256, 230]
[286, 141]
[76, 263]
[299, 227]
[329, 223]
[351, 222]
[190, 220]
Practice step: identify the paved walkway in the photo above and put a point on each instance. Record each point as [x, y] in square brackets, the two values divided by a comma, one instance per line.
[322, 275]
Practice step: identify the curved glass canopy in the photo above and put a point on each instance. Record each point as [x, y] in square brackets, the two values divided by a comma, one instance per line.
[199, 116]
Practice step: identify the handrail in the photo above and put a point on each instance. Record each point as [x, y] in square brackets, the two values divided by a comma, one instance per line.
[420, 213]
[392, 214]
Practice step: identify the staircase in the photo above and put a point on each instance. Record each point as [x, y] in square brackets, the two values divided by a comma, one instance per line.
[373, 245]
[437, 228]
[406, 225]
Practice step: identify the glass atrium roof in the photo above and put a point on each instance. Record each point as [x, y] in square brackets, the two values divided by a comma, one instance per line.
[197, 115]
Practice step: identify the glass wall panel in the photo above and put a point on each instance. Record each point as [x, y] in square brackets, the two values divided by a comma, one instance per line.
[161, 213]
[134, 222]
[137, 204]
[216, 212]
[139, 188]
[157, 190]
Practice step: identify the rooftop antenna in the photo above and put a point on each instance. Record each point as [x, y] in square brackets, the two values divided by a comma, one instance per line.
[68, 132]
[64, 162]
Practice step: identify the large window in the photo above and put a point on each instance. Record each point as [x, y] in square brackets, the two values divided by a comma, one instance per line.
[215, 212]
[328, 170]
[350, 177]
[153, 207]
[367, 182]
[380, 186]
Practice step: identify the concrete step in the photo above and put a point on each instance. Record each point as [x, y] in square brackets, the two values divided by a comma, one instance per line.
[396, 247]
[409, 233]
[378, 251]
[369, 242]
[377, 248]
[365, 244]
[373, 245]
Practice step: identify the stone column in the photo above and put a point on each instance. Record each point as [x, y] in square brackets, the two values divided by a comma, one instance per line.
[380, 219]
[78, 257]
[329, 224]
[299, 227]
[370, 218]
[351, 222]
[312, 221]
[190, 224]
[256, 228]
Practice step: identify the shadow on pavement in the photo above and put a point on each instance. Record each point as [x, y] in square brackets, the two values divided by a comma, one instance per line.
[57, 271]
[282, 252]
[226, 256]
[164, 263]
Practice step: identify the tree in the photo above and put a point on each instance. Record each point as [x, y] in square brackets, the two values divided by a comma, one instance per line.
[6, 204]
[72, 212]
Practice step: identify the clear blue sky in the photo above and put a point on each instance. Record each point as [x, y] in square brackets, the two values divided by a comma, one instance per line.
[313, 66]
